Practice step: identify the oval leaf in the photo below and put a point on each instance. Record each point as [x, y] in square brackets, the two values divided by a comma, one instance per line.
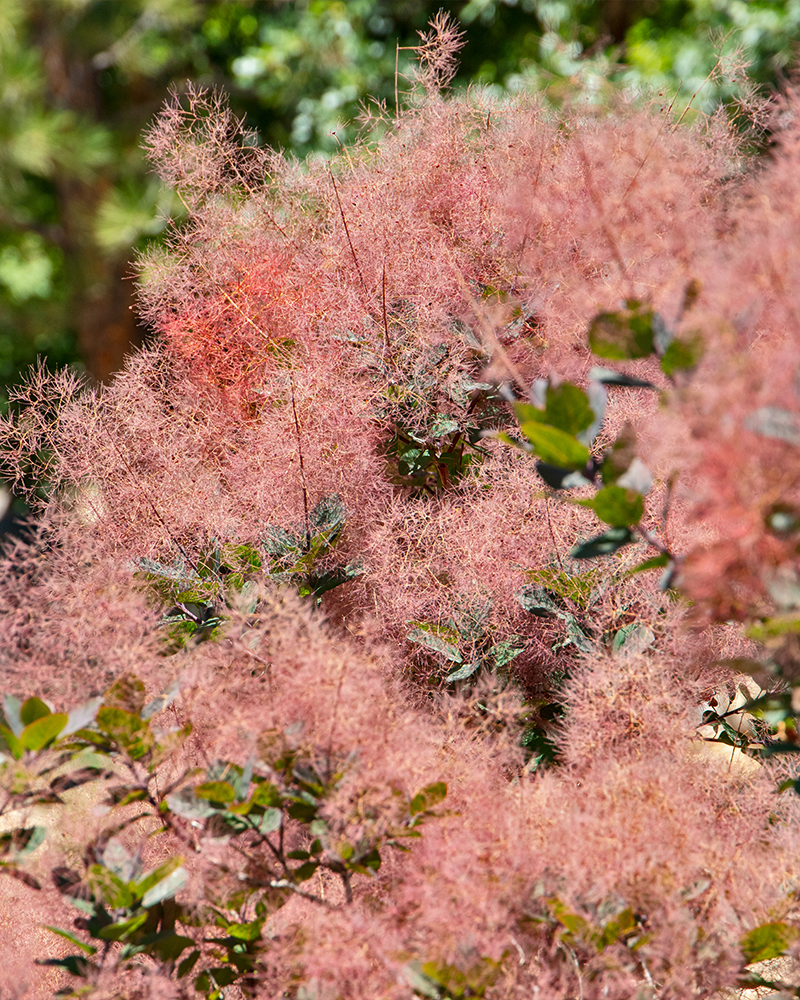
[11, 708]
[682, 355]
[43, 731]
[603, 545]
[270, 821]
[462, 673]
[567, 408]
[768, 941]
[540, 602]
[555, 446]
[33, 709]
[624, 335]
[216, 791]
[616, 506]
[432, 641]
[166, 888]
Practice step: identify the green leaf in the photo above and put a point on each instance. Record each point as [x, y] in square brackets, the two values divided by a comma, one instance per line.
[555, 446]
[170, 947]
[88, 948]
[216, 791]
[626, 334]
[462, 673]
[603, 545]
[122, 795]
[540, 602]
[633, 638]
[76, 965]
[43, 731]
[575, 636]
[166, 888]
[430, 796]
[420, 983]
[82, 716]
[127, 729]
[683, 355]
[771, 628]
[10, 742]
[33, 709]
[328, 515]
[435, 643]
[122, 930]
[744, 665]
[127, 693]
[567, 408]
[222, 976]
[367, 863]
[246, 932]
[503, 652]
[115, 893]
[266, 794]
[185, 803]
[23, 840]
[619, 458]
[188, 964]
[655, 563]
[768, 941]
[11, 708]
[304, 872]
[270, 821]
[146, 882]
[616, 506]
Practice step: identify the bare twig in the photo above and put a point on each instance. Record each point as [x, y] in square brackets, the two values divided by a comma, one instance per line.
[635, 177]
[347, 231]
[552, 536]
[302, 467]
[385, 319]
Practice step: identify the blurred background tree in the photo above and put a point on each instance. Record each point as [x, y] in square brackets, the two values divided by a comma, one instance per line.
[81, 79]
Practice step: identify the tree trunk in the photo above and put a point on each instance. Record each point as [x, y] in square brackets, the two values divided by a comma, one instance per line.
[103, 298]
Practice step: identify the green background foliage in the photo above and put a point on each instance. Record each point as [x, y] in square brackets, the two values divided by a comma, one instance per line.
[81, 79]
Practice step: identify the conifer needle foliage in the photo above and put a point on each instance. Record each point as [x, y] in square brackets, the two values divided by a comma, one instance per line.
[385, 627]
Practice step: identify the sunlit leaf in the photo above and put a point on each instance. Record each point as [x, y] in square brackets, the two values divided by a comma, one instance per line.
[626, 334]
[462, 673]
[166, 888]
[434, 642]
[43, 731]
[216, 791]
[616, 506]
[555, 446]
[768, 941]
[33, 709]
[88, 948]
[683, 354]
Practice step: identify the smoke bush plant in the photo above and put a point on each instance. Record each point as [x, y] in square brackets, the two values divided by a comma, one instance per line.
[380, 603]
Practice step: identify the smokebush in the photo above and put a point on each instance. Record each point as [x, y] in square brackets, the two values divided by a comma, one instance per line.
[384, 627]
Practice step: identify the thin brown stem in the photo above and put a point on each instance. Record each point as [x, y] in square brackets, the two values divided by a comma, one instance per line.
[598, 204]
[552, 536]
[385, 318]
[635, 177]
[347, 232]
[153, 507]
[303, 486]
